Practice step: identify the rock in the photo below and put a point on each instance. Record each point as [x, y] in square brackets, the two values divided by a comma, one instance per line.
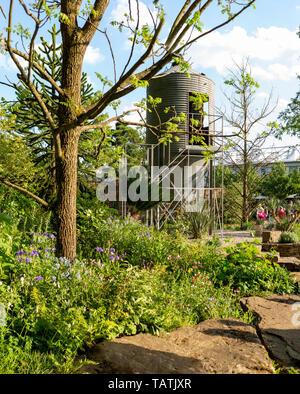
[290, 263]
[215, 346]
[270, 236]
[278, 322]
[284, 250]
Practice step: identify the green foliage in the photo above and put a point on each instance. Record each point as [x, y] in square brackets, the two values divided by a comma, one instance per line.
[35, 137]
[141, 244]
[16, 163]
[198, 100]
[278, 183]
[288, 237]
[233, 192]
[129, 279]
[197, 223]
[289, 119]
[247, 271]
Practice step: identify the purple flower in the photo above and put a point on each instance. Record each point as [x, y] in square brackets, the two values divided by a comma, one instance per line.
[51, 236]
[111, 258]
[34, 253]
[28, 259]
[38, 278]
[98, 249]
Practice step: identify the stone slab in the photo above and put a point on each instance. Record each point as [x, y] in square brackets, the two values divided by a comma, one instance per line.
[215, 346]
[278, 322]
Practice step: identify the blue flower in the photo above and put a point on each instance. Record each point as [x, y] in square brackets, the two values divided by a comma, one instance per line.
[38, 278]
[20, 252]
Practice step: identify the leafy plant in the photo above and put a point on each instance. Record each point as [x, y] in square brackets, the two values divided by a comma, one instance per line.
[288, 237]
[248, 271]
[198, 221]
[259, 221]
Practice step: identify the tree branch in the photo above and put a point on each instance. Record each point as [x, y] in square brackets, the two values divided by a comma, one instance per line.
[39, 69]
[25, 191]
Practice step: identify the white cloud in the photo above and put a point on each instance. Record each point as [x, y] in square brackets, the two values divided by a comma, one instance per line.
[143, 12]
[276, 71]
[276, 45]
[93, 55]
[282, 104]
[4, 62]
[123, 8]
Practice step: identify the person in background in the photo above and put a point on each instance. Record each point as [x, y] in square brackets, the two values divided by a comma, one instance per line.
[291, 210]
[261, 214]
[281, 212]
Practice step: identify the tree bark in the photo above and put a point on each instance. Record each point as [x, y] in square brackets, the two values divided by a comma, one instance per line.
[66, 137]
[66, 179]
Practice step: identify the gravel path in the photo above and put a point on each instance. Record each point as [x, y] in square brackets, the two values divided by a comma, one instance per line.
[229, 237]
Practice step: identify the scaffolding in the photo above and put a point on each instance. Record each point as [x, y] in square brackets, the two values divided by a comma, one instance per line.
[187, 197]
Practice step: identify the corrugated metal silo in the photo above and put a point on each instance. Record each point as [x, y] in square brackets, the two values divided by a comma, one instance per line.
[174, 88]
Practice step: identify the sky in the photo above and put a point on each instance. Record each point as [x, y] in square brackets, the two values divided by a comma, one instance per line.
[265, 35]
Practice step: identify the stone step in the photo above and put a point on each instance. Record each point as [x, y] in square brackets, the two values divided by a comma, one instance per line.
[296, 277]
[277, 326]
[290, 263]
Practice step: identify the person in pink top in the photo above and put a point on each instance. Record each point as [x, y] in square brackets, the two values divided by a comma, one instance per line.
[281, 213]
[261, 214]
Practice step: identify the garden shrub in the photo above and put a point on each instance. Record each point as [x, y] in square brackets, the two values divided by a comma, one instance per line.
[134, 279]
[288, 237]
[247, 270]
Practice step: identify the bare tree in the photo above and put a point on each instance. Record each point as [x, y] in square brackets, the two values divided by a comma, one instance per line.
[79, 22]
[245, 156]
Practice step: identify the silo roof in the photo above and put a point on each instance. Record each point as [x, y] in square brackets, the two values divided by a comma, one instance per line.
[176, 69]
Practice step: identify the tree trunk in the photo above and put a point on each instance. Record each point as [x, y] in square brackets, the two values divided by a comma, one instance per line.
[66, 178]
[67, 135]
